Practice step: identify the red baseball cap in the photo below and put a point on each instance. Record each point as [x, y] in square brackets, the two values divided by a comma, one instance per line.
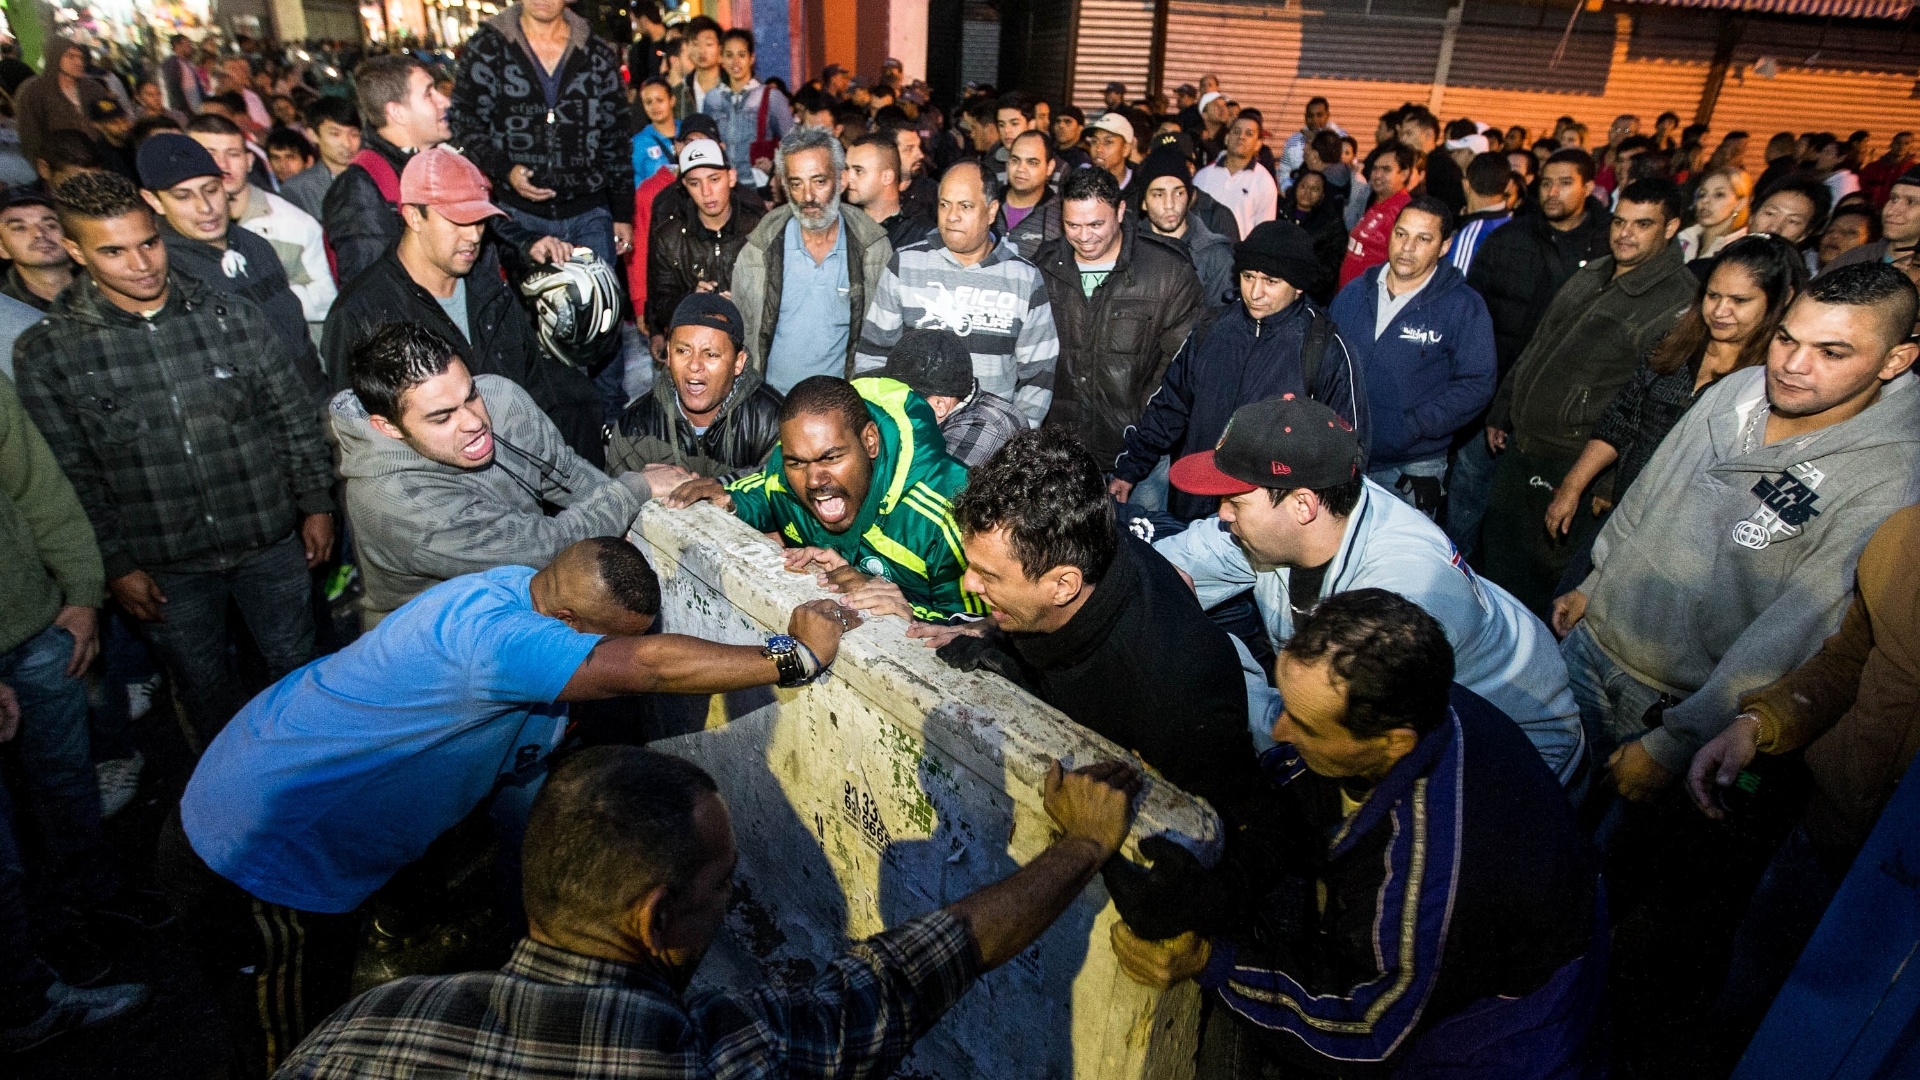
[441, 178]
[1284, 442]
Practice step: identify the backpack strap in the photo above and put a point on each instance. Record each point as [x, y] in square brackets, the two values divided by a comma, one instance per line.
[760, 125]
[381, 170]
[1314, 349]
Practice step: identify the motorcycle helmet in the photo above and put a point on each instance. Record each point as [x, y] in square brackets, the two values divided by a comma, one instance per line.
[576, 308]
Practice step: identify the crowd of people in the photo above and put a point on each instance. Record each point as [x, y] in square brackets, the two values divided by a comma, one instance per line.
[1500, 533]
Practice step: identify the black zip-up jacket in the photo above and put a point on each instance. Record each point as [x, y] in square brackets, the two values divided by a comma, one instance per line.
[577, 144]
[188, 436]
[682, 252]
[654, 430]
[1115, 345]
[503, 341]
[1041, 225]
[1519, 268]
[1229, 360]
[263, 281]
[1142, 665]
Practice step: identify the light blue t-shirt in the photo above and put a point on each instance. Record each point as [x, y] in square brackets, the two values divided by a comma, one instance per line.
[815, 322]
[456, 307]
[343, 772]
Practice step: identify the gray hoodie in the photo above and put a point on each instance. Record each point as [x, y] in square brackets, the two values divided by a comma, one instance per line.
[1723, 570]
[417, 522]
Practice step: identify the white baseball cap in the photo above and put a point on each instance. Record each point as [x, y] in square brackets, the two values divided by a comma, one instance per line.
[1209, 98]
[702, 153]
[1113, 122]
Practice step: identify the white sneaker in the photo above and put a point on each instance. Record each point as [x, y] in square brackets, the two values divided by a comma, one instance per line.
[119, 781]
[70, 1008]
[140, 697]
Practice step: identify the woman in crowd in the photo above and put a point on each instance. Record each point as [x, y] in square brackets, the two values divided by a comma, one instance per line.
[1747, 294]
[1309, 206]
[653, 144]
[1719, 213]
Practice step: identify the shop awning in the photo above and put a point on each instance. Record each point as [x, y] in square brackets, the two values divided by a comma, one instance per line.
[1841, 9]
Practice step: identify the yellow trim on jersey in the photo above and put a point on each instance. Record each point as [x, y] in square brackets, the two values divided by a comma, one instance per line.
[890, 396]
[893, 549]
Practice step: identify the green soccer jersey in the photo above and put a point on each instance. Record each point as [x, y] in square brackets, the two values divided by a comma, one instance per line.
[905, 530]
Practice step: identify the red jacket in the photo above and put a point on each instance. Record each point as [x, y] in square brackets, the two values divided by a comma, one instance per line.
[643, 197]
[1367, 243]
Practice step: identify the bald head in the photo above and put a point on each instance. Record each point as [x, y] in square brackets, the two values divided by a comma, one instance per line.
[601, 585]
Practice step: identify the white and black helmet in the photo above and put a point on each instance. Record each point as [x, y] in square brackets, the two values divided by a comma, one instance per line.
[576, 307]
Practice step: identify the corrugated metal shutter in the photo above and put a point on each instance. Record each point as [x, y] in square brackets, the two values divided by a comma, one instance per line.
[1277, 58]
[980, 45]
[1641, 78]
[332, 19]
[1831, 76]
[1036, 46]
[1111, 45]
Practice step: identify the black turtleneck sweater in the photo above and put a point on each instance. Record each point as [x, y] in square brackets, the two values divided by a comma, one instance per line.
[1142, 665]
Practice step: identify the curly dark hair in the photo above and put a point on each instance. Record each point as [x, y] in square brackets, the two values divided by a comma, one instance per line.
[97, 196]
[819, 395]
[628, 578]
[1392, 655]
[1045, 489]
[1091, 184]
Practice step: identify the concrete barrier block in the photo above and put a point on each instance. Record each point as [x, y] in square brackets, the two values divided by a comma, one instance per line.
[899, 785]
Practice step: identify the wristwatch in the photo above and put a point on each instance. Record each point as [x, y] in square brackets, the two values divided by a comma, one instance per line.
[796, 663]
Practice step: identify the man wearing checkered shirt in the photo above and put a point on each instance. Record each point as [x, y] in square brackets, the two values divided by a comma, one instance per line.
[629, 862]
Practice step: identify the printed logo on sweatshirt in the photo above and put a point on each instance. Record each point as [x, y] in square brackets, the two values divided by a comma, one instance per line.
[965, 309]
[1786, 505]
[1419, 336]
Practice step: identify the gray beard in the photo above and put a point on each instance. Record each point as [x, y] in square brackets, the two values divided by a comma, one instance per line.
[829, 216]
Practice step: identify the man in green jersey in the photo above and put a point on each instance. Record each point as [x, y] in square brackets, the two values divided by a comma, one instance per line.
[859, 487]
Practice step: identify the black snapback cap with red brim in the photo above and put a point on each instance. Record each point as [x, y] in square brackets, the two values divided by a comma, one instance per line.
[1284, 442]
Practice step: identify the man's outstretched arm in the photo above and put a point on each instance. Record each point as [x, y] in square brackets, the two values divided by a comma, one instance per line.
[678, 664]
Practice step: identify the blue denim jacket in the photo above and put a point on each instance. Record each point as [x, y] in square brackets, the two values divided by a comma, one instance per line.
[738, 115]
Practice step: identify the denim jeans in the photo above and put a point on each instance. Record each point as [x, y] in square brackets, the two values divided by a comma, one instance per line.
[1612, 702]
[123, 660]
[593, 229]
[1151, 492]
[1793, 895]
[23, 978]
[270, 587]
[1469, 488]
[57, 759]
[1403, 480]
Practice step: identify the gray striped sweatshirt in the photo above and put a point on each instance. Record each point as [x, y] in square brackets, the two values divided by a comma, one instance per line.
[998, 306]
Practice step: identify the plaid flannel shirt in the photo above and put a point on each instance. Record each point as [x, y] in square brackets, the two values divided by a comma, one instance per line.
[551, 1014]
[187, 435]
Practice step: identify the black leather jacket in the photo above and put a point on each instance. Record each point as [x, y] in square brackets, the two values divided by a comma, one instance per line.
[681, 253]
[1116, 345]
[653, 430]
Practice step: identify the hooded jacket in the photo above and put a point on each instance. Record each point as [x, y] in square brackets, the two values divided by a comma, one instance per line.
[1521, 266]
[904, 530]
[188, 435]
[1501, 650]
[1429, 373]
[1722, 568]
[417, 522]
[40, 109]
[1212, 257]
[258, 276]
[654, 430]
[502, 341]
[1586, 349]
[1116, 344]
[577, 144]
[1226, 362]
[761, 264]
